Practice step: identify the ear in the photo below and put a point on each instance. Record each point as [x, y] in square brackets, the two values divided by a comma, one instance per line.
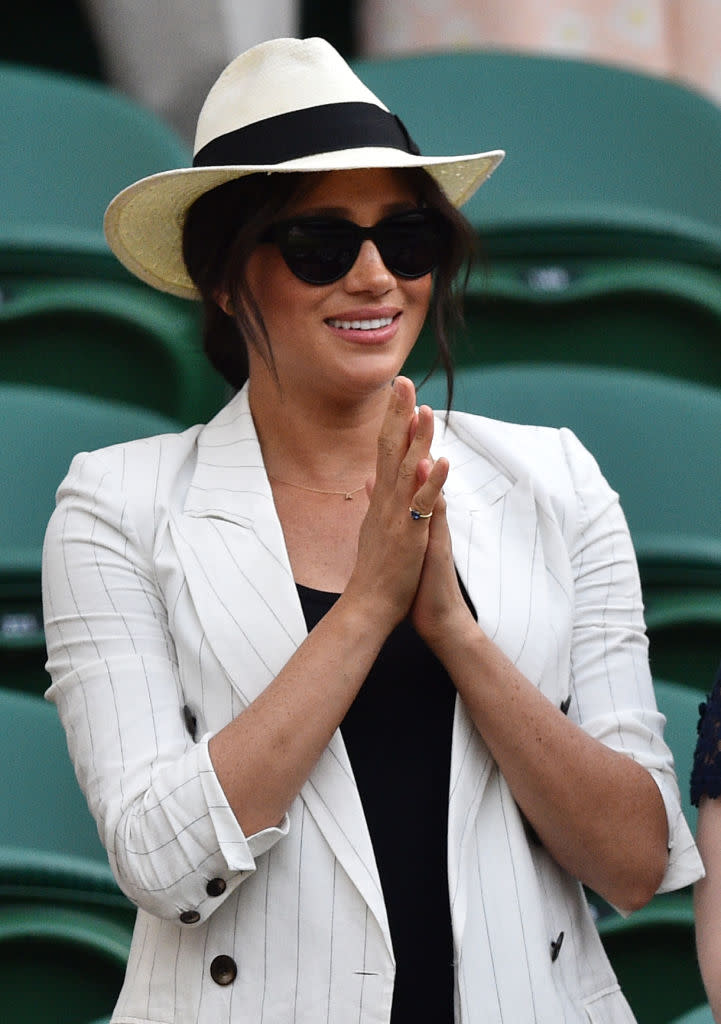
[223, 300]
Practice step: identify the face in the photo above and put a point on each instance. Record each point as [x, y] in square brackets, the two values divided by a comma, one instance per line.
[350, 337]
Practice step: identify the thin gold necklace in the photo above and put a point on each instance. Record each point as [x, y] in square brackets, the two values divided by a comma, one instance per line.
[348, 495]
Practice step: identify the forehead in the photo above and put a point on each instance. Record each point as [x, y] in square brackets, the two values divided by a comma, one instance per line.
[349, 190]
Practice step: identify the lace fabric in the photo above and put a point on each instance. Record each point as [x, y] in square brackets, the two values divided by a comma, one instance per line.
[706, 772]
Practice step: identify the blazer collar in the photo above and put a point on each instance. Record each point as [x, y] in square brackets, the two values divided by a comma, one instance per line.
[228, 448]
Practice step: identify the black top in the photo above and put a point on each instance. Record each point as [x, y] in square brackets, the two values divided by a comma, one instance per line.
[706, 773]
[398, 736]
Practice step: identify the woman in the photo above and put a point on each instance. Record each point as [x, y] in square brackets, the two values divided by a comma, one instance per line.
[345, 684]
[705, 791]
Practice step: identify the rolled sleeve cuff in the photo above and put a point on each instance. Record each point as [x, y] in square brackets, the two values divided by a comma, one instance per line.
[238, 850]
[684, 861]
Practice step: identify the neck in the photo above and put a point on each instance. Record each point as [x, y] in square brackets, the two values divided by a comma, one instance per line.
[319, 443]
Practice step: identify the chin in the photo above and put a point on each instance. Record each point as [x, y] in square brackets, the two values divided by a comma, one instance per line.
[372, 378]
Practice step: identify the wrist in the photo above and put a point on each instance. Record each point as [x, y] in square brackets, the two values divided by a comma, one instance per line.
[369, 612]
[448, 635]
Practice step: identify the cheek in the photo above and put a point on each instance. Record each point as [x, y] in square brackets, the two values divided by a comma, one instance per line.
[419, 293]
[275, 290]
[263, 275]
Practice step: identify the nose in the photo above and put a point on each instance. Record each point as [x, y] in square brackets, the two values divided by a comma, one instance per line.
[369, 273]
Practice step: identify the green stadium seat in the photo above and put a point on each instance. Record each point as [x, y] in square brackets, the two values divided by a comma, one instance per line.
[600, 234]
[70, 314]
[601, 160]
[56, 887]
[653, 953]
[661, 316]
[680, 704]
[42, 429]
[655, 438]
[59, 965]
[70, 144]
[684, 629]
[117, 340]
[42, 808]
[699, 1015]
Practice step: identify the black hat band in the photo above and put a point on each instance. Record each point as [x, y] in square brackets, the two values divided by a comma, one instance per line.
[300, 133]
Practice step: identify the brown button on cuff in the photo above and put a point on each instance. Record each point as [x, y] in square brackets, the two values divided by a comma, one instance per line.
[190, 917]
[223, 970]
[215, 887]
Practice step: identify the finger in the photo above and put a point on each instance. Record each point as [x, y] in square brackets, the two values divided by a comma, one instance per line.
[430, 492]
[424, 425]
[420, 446]
[414, 426]
[423, 470]
[393, 439]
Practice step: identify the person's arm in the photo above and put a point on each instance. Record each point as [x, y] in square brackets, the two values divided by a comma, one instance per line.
[707, 901]
[598, 812]
[118, 690]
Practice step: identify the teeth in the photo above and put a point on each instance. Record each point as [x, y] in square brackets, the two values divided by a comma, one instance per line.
[362, 325]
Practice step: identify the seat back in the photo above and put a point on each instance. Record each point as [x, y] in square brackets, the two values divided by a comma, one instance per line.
[684, 629]
[662, 316]
[110, 339]
[42, 429]
[41, 807]
[69, 145]
[699, 1015]
[653, 953]
[680, 705]
[59, 965]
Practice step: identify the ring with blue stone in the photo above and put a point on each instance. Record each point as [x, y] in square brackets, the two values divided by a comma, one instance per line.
[415, 514]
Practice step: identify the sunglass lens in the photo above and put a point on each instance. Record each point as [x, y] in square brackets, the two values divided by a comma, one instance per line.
[319, 252]
[411, 244]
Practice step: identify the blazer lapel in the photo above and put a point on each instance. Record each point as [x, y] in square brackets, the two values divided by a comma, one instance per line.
[230, 543]
[498, 548]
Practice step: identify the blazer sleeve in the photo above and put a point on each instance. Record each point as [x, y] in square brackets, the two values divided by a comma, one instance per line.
[611, 686]
[161, 812]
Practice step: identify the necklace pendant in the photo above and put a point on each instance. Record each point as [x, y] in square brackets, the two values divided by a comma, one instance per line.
[348, 496]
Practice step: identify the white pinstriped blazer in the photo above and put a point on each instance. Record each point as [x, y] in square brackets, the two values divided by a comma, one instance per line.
[167, 586]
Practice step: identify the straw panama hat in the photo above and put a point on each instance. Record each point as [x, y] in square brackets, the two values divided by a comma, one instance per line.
[283, 105]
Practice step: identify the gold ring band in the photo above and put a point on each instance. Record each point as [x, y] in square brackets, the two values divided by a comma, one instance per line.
[415, 514]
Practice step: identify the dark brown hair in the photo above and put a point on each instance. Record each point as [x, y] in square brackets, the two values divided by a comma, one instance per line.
[223, 227]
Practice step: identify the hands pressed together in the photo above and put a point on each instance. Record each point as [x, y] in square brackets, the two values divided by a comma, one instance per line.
[405, 564]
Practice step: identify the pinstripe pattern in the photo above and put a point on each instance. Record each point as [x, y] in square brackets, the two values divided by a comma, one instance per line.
[167, 587]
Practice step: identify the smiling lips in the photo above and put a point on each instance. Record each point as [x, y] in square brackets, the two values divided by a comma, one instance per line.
[369, 325]
[361, 325]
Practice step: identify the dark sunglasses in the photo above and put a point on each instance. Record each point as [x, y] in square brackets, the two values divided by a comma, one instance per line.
[321, 250]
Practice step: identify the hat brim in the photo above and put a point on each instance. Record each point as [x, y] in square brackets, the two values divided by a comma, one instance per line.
[144, 223]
